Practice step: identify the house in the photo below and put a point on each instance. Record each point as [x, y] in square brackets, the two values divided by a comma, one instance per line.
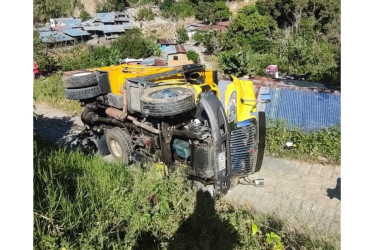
[193, 28]
[164, 42]
[65, 22]
[176, 55]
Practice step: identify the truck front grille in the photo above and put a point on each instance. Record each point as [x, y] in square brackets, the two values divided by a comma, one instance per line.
[242, 142]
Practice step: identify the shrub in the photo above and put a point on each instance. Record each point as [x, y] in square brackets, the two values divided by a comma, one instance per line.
[83, 202]
[324, 143]
[84, 15]
[193, 56]
[179, 10]
[182, 35]
[145, 14]
[133, 44]
[41, 54]
[211, 12]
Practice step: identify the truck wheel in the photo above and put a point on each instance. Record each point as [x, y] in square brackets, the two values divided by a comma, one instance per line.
[119, 144]
[79, 79]
[167, 101]
[83, 93]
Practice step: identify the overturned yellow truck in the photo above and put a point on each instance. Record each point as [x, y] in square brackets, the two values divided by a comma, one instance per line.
[178, 115]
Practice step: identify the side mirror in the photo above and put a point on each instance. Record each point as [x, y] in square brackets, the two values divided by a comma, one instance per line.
[265, 98]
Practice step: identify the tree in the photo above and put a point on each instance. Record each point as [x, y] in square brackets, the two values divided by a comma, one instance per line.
[84, 15]
[182, 35]
[193, 56]
[211, 12]
[47, 64]
[145, 14]
[133, 44]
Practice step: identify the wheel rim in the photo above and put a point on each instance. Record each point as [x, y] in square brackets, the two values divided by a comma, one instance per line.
[116, 148]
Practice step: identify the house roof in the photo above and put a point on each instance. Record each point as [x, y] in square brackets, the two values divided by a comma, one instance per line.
[69, 21]
[106, 17]
[54, 36]
[154, 61]
[75, 32]
[167, 41]
[175, 49]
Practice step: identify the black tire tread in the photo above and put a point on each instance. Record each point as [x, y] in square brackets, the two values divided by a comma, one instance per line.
[125, 141]
[167, 107]
[82, 93]
[70, 81]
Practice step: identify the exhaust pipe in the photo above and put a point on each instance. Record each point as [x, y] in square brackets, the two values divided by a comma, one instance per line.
[119, 115]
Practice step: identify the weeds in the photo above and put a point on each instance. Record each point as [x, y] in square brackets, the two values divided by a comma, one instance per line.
[82, 202]
[51, 91]
[325, 143]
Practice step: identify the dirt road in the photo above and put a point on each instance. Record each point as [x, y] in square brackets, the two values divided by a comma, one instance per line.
[305, 195]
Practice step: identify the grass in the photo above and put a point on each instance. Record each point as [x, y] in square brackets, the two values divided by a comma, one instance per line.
[51, 91]
[83, 202]
[325, 143]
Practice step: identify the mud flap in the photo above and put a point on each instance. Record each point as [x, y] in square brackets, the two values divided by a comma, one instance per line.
[260, 137]
[219, 154]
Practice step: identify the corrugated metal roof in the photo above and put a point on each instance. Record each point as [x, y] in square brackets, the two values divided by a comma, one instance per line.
[175, 49]
[115, 28]
[76, 32]
[180, 49]
[69, 21]
[119, 28]
[167, 41]
[44, 29]
[309, 111]
[170, 50]
[106, 17]
[54, 36]
[153, 61]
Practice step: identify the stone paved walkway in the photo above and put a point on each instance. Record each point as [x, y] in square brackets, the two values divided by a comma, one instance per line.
[305, 195]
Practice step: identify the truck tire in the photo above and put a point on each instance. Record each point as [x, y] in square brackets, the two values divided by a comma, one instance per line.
[120, 145]
[82, 93]
[79, 79]
[167, 101]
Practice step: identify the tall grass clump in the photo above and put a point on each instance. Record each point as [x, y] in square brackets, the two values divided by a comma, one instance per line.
[83, 202]
[51, 91]
[312, 146]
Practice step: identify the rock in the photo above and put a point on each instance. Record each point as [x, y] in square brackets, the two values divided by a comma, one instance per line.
[323, 159]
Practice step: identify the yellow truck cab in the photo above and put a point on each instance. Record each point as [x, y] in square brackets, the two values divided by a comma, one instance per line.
[181, 116]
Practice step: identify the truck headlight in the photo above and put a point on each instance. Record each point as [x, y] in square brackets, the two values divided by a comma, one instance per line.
[231, 108]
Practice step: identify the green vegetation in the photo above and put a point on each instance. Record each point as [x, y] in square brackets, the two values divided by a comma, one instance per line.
[182, 35]
[84, 15]
[133, 44]
[211, 12]
[177, 10]
[112, 5]
[46, 9]
[145, 14]
[301, 37]
[51, 91]
[193, 56]
[97, 57]
[82, 202]
[42, 55]
[309, 146]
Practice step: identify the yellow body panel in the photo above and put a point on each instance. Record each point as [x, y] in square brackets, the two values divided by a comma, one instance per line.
[244, 89]
[245, 98]
[119, 74]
